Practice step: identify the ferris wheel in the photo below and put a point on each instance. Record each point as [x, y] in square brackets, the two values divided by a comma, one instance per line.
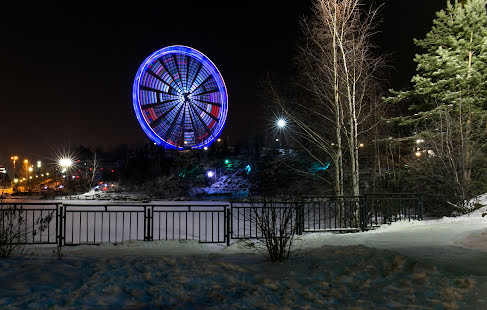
[180, 98]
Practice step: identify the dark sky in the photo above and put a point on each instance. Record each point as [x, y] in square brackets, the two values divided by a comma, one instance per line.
[66, 72]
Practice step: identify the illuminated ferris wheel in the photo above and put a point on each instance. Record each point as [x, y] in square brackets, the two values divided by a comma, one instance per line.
[180, 98]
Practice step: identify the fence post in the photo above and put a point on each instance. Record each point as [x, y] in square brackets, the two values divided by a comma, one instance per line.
[363, 212]
[145, 223]
[299, 218]
[229, 230]
[60, 217]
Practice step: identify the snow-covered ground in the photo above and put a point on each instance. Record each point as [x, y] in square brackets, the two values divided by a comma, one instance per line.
[432, 264]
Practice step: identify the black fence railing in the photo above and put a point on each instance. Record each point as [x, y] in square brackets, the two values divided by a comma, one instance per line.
[29, 223]
[251, 219]
[75, 224]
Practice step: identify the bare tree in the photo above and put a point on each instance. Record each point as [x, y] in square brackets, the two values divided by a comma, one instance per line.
[340, 73]
[92, 166]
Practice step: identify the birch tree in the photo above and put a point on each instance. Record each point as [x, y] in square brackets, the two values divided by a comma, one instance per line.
[339, 75]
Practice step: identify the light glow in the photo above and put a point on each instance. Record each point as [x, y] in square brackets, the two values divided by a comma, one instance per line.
[281, 123]
[65, 162]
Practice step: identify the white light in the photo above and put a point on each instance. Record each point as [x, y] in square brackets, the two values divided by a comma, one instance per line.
[281, 123]
[277, 140]
[419, 141]
[205, 148]
[65, 162]
[210, 174]
[39, 164]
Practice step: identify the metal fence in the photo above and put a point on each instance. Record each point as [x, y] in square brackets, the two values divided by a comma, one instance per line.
[250, 218]
[75, 224]
[29, 223]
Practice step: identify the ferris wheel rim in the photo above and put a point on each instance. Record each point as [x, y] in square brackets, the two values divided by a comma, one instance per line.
[214, 73]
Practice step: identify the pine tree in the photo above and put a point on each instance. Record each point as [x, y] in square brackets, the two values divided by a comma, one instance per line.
[453, 67]
[448, 101]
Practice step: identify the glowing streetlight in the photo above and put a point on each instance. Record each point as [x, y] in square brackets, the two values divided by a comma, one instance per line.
[205, 148]
[14, 159]
[16, 181]
[39, 164]
[65, 163]
[361, 145]
[418, 154]
[30, 169]
[210, 174]
[281, 123]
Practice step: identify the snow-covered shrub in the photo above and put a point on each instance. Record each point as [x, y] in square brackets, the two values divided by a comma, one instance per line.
[275, 227]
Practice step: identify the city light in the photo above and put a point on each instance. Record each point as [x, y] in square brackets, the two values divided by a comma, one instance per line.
[39, 164]
[14, 159]
[16, 180]
[361, 145]
[205, 148]
[418, 154]
[65, 162]
[210, 174]
[281, 123]
[30, 169]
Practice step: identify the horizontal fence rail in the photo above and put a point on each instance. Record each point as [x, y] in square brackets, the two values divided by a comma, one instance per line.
[75, 224]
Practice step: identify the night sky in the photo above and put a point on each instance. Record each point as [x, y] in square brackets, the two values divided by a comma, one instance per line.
[67, 71]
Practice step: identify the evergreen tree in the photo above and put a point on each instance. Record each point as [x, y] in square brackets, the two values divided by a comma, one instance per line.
[448, 102]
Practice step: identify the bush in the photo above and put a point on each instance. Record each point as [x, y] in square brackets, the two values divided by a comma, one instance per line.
[15, 230]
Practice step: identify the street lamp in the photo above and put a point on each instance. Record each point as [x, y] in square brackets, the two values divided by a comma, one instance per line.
[14, 159]
[281, 123]
[65, 163]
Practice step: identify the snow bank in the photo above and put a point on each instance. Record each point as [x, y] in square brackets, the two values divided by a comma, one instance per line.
[328, 278]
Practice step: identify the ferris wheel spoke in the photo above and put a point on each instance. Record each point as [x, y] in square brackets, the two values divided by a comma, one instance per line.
[208, 102]
[156, 90]
[168, 72]
[207, 113]
[155, 104]
[152, 73]
[173, 123]
[182, 129]
[211, 91]
[186, 58]
[196, 130]
[158, 120]
[196, 74]
[175, 59]
[201, 84]
[205, 126]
